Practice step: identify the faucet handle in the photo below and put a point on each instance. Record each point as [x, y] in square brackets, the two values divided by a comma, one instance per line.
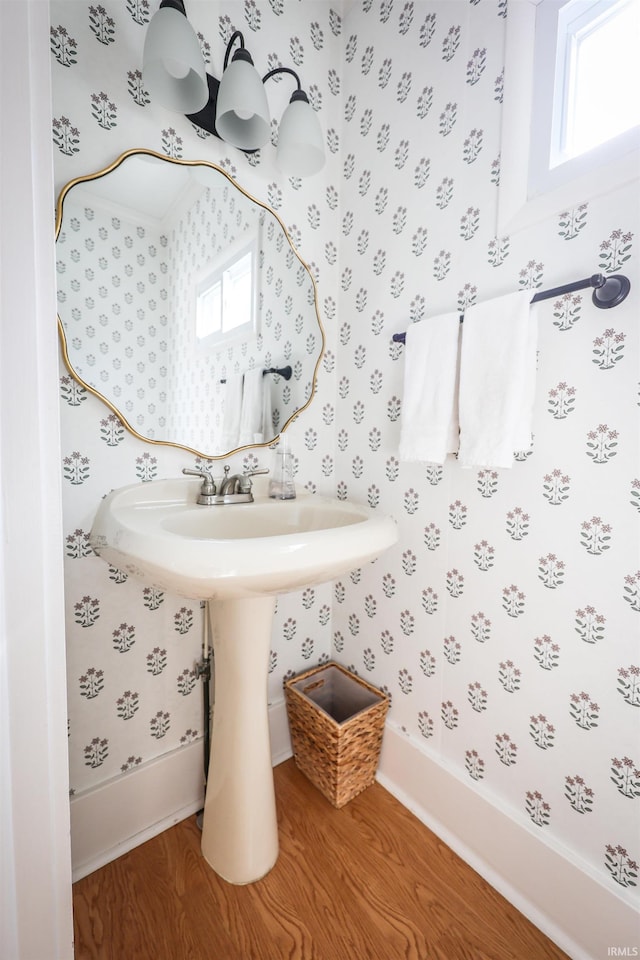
[208, 484]
[244, 482]
[258, 470]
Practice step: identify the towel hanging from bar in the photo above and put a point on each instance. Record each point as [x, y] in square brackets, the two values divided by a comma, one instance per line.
[429, 425]
[497, 381]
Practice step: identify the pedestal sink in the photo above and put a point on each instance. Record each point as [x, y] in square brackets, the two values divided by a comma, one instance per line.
[238, 557]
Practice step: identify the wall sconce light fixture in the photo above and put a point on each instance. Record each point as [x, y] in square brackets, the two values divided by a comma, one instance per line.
[234, 108]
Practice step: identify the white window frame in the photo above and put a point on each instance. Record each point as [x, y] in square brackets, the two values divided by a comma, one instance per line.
[522, 200]
[215, 272]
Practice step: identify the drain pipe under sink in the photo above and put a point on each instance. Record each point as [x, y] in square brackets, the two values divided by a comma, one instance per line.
[203, 670]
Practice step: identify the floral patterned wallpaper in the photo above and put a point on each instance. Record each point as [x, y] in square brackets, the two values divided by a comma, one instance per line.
[504, 625]
[95, 289]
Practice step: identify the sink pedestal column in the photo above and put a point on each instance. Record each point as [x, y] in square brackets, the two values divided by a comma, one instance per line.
[240, 829]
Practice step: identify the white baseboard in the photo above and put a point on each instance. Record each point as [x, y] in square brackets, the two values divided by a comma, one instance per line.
[122, 813]
[558, 894]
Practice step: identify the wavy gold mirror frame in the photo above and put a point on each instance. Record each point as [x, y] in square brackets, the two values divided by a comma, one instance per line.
[127, 287]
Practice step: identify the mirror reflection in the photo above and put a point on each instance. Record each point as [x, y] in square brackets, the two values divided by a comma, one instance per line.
[184, 305]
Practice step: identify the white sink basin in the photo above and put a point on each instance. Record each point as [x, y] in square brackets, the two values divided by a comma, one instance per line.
[156, 532]
[237, 557]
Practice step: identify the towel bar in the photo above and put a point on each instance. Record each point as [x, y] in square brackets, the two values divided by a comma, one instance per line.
[608, 292]
[284, 372]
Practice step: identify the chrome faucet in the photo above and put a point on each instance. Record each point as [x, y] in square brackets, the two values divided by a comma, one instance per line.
[232, 489]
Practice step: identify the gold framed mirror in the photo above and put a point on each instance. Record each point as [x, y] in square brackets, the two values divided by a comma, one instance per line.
[175, 287]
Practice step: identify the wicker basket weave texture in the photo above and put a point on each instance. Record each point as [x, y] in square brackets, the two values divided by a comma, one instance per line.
[339, 758]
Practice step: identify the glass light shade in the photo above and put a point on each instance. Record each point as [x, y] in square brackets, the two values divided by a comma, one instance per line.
[300, 150]
[242, 114]
[172, 65]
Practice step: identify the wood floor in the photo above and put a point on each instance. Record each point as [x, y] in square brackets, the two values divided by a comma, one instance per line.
[368, 882]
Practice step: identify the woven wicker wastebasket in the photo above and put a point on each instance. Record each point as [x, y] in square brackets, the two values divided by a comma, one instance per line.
[336, 721]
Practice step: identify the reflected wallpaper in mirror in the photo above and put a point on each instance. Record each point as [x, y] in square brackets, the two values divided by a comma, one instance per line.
[135, 243]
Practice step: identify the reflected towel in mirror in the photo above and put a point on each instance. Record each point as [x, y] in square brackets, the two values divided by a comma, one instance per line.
[256, 413]
[232, 409]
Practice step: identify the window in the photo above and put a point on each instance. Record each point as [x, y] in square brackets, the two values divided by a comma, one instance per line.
[597, 74]
[587, 75]
[226, 298]
[576, 63]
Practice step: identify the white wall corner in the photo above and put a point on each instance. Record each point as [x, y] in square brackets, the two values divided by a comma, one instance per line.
[557, 893]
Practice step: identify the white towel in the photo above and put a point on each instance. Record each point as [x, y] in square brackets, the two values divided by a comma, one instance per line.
[232, 408]
[267, 409]
[497, 380]
[429, 428]
[255, 416]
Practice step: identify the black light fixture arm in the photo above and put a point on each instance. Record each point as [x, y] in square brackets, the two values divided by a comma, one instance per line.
[276, 70]
[297, 94]
[241, 53]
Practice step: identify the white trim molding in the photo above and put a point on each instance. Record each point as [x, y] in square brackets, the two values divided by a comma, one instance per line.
[35, 861]
[561, 895]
